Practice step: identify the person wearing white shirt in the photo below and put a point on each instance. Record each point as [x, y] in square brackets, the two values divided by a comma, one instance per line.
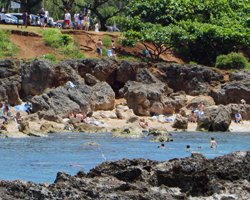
[67, 19]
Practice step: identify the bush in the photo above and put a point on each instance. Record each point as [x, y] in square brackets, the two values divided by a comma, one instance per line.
[64, 42]
[202, 42]
[50, 57]
[53, 38]
[72, 51]
[231, 61]
[106, 40]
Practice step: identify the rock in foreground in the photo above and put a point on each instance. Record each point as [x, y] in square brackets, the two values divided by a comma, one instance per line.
[225, 177]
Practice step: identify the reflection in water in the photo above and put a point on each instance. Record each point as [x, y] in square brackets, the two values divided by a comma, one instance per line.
[39, 159]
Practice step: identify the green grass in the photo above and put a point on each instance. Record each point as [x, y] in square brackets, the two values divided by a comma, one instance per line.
[129, 58]
[63, 42]
[7, 48]
[107, 40]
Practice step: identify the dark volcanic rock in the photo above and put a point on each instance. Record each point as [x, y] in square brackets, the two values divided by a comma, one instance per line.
[193, 79]
[81, 99]
[145, 98]
[232, 92]
[10, 81]
[36, 77]
[225, 177]
[215, 118]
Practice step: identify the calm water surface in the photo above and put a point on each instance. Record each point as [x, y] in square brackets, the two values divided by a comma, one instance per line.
[39, 159]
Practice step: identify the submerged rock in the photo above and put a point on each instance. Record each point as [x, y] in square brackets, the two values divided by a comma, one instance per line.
[130, 132]
[160, 135]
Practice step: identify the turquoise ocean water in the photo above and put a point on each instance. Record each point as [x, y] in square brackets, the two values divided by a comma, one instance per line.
[39, 159]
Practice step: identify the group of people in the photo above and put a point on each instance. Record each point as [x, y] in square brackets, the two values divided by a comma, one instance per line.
[111, 52]
[196, 113]
[44, 17]
[6, 114]
[81, 21]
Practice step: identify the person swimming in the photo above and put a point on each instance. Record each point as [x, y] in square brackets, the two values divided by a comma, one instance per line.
[188, 149]
[162, 145]
[213, 143]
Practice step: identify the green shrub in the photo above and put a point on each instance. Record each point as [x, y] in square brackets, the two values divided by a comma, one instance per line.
[66, 39]
[7, 48]
[53, 38]
[231, 61]
[64, 42]
[50, 57]
[72, 51]
[106, 40]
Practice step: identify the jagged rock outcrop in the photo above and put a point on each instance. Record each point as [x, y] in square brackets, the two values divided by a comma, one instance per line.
[207, 100]
[82, 99]
[193, 79]
[243, 109]
[239, 76]
[215, 118]
[232, 92]
[142, 98]
[10, 81]
[103, 97]
[37, 76]
[225, 177]
[180, 123]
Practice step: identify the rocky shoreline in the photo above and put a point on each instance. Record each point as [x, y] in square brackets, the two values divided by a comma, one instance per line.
[195, 177]
[156, 92]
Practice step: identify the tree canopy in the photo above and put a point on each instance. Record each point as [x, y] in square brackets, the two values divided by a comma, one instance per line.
[199, 30]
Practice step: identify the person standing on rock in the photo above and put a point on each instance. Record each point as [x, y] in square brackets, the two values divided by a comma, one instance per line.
[213, 143]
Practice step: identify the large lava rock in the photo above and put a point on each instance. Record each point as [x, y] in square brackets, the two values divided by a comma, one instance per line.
[215, 118]
[10, 81]
[193, 79]
[207, 100]
[103, 97]
[145, 99]
[232, 92]
[82, 98]
[243, 109]
[37, 76]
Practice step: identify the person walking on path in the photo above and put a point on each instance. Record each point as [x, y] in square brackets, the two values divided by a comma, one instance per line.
[99, 48]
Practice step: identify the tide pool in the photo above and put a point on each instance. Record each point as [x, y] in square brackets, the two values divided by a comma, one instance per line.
[39, 159]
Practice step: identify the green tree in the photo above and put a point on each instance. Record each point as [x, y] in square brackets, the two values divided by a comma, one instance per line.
[156, 39]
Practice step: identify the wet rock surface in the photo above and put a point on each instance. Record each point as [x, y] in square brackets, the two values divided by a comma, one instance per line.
[195, 177]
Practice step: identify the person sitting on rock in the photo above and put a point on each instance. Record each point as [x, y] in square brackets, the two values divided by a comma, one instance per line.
[18, 118]
[6, 108]
[143, 123]
[201, 106]
[3, 126]
[238, 117]
[192, 117]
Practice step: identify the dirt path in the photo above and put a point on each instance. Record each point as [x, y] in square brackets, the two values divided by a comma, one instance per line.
[33, 47]
[30, 47]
